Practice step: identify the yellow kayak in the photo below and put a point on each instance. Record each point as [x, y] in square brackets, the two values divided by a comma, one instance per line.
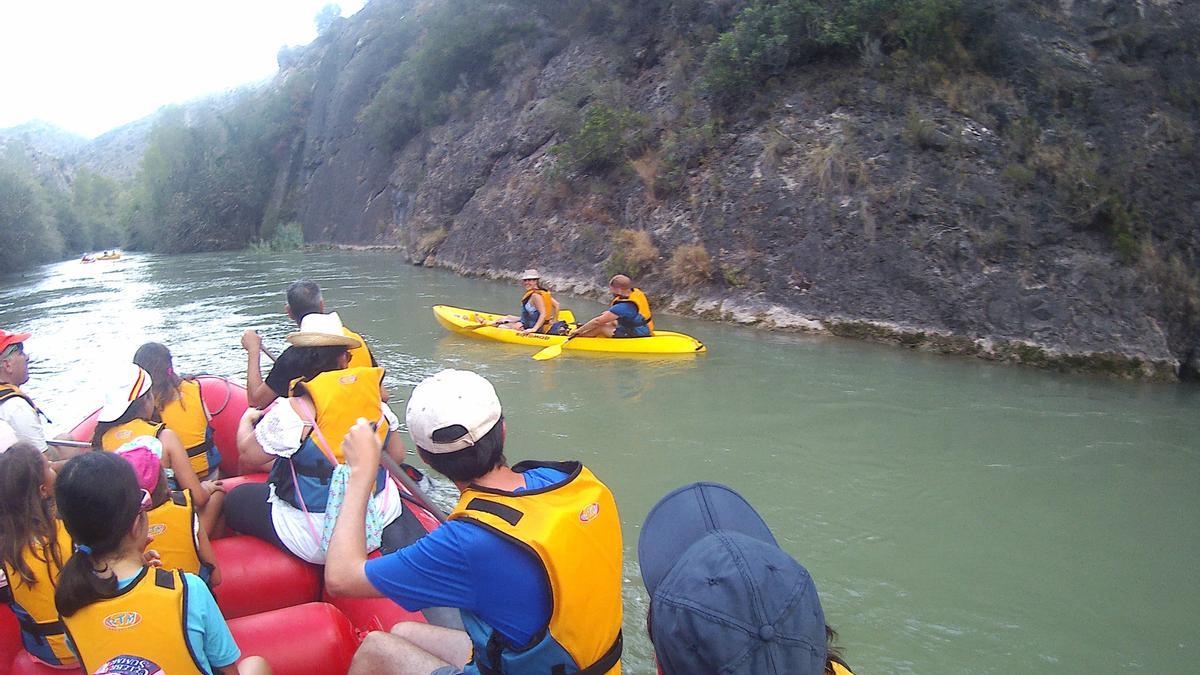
[466, 321]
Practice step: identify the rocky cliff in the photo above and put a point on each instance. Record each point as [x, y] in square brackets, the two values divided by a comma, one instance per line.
[1040, 208]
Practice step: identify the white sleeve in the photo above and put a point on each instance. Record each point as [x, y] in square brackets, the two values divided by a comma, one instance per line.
[280, 431]
[24, 421]
[392, 420]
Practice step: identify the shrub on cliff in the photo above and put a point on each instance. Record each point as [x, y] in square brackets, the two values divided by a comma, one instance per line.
[770, 36]
[690, 265]
[633, 253]
[605, 136]
[28, 234]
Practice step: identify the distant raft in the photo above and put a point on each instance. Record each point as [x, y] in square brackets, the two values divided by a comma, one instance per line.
[468, 322]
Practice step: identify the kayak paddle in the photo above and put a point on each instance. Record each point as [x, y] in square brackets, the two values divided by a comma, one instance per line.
[553, 351]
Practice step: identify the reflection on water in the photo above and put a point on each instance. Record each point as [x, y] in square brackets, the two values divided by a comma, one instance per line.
[958, 516]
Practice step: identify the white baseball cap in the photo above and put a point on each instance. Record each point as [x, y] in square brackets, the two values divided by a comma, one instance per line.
[530, 275]
[449, 398]
[127, 388]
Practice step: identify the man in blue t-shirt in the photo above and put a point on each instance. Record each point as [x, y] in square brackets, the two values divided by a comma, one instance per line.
[479, 563]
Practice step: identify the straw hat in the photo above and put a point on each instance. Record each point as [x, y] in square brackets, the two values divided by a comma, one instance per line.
[322, 330]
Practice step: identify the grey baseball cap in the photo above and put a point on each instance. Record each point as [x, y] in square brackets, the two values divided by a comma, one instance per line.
[723, 596]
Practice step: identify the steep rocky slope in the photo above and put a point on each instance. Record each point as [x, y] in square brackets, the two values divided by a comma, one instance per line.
[1041, 208]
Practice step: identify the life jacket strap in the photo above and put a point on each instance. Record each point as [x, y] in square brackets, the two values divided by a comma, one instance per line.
[609, 660]
[36, 629]
[198, 450]
[502, 511]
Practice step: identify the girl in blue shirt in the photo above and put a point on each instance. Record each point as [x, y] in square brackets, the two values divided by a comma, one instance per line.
[168, 620]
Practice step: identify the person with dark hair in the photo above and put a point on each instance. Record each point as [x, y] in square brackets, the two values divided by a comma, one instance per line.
[179, 539]
[539, 309]
[300, 438]
[126, 417]
[179, 404]
[724, 598]
[531, 555]
[627, 316]
[33, 548]
[303, 298]
[118, 611]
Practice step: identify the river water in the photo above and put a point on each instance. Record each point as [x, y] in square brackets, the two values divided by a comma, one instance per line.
[957, 516]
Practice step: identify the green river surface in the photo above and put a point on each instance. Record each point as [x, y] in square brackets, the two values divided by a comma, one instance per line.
[958, 516]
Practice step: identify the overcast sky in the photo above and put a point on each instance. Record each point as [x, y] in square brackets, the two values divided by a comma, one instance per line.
[89, 66]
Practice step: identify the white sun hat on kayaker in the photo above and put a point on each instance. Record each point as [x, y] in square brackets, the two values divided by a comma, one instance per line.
[530, 275]
[452, 398]
[322, 330]
[127, 388]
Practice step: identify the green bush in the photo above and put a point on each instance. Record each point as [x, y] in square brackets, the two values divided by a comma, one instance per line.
[287, 237]
[770, 36]
[460, 51]
[606, 136]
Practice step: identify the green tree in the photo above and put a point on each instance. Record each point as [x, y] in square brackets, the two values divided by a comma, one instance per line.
[326, 17]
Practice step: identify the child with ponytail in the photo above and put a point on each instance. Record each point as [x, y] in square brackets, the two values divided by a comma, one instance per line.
[119, 612]
[33, 547]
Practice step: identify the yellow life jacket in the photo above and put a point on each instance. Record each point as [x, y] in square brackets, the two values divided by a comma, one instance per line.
[33, 604]
[339, 398]
[574, 531]
[144, 621]
[360, 357]
[188, 418]
[529, 319]
[637, 297]
[120, 435]
[173, 526]
[9, 391]
[835, 668]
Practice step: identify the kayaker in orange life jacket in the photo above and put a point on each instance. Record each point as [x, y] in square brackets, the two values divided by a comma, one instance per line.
[303, 298]
[627, 317]
[538, 308]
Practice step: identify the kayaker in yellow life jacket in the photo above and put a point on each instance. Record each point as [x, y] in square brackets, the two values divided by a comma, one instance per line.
[704, 552]
[628, 316]
[179, 404]
[33, 548]
[120, 614]
[126, 415]
[533, 551]
[178, 538]
[539, 309]
[303, 298]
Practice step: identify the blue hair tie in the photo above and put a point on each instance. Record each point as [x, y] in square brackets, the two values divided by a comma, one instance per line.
[83, 548]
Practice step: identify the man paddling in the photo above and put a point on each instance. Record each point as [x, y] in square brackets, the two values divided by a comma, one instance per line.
[628, 315]
[303, 298]
[531, 555]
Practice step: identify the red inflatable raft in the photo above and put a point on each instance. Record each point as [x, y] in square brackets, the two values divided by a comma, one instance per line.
[267, 595]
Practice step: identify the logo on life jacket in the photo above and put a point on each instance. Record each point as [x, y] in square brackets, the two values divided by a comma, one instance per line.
[129, 665]
[124, 434]
[348, 379]
[591, 511]
[157, 529]
[122, 620]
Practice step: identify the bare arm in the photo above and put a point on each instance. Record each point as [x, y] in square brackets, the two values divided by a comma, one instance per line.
[175, 458]
[207, 556]
[606, 317]
[257, 392]
[250, 452]
[345, 564]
